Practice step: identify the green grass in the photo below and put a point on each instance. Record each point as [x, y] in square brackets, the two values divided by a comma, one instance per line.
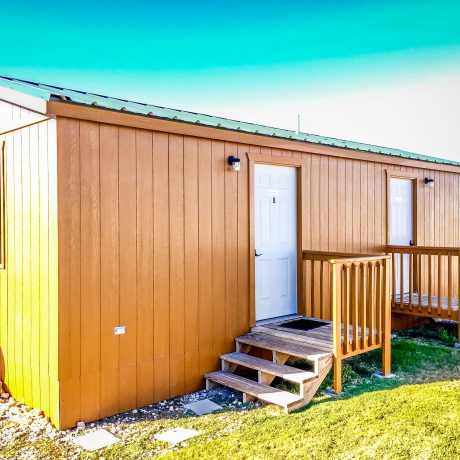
[413, 416]
[420, 421]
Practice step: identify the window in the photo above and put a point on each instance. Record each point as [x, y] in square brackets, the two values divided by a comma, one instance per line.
[2, 205]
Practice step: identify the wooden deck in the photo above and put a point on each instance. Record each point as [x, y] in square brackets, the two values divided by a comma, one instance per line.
[424, 308]
[320, 337]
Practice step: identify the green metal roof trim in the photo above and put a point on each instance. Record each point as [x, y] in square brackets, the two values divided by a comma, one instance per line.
[55, 93]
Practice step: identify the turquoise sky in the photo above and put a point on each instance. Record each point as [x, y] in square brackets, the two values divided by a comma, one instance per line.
[215, 55]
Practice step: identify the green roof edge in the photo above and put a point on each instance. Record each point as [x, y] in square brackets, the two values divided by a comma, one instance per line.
[50, 92]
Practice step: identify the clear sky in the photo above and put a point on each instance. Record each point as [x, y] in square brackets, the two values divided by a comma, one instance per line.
[383, 72]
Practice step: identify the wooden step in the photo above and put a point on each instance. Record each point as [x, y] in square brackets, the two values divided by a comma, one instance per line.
[258, 390]
[283, 345]
[291, 374]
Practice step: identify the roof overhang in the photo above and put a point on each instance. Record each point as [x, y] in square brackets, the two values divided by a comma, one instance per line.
[100, 115]
[30, 102]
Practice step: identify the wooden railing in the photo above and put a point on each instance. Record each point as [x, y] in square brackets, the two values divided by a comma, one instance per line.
[428, 278]
[358, 299]
[316, 290]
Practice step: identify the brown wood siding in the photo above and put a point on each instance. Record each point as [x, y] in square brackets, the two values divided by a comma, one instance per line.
[154, 235]
[28, 282]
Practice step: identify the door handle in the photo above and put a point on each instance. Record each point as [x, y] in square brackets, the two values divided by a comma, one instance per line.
[411, 243]
[258, 255]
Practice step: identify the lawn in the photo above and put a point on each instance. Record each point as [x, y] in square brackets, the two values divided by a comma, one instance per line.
[416, 415]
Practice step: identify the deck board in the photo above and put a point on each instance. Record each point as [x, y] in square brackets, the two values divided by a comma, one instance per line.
[424, 310]
[319, 337]
[425, 301]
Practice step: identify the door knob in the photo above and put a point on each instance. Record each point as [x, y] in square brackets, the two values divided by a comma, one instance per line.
[411, 243]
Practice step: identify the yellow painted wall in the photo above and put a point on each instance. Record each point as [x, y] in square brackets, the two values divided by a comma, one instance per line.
[29, 282]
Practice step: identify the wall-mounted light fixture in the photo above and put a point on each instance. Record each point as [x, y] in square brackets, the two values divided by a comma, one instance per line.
[429, 182]
[234, 163]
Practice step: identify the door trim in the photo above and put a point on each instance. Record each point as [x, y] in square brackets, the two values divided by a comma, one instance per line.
[299, 164]
[414, 179]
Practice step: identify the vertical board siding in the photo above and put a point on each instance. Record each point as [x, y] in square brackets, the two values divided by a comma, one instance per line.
[144, 224]
[192, 376]
[28, 284]
[161, 332]
[127, 189]
[70, 278]
[154, 236]
[176, 265]
[91, 270]
[110, 266]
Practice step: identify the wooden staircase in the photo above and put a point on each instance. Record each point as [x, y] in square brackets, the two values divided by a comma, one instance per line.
[282, 347]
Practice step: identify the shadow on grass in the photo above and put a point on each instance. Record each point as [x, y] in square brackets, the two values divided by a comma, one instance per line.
[421, 355]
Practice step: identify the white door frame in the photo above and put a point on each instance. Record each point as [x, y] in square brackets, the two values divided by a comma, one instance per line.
[414, 179]
[299, 164]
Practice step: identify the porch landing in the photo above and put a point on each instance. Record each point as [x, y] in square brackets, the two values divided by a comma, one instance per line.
[423, 307]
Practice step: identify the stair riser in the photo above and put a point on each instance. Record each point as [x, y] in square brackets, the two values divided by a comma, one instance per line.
[230, 365]
[312, 359]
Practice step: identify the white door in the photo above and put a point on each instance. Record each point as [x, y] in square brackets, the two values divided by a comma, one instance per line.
[401, 220]
[275, 229]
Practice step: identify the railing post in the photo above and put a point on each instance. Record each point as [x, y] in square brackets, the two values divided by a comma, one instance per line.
[386, 349]
[336, 330]
[439, 284]
[450, 279]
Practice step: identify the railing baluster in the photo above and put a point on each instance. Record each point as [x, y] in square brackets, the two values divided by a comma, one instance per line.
[449, 284]
[439, 284]
[312, 287]
[354, 300]
[419, 283]
[346, 308]
[321, 288]
[430, 283]
[371, 304]
[378, 303]
[411, 281]
[307, 293]
[393, 280]
[363, 305]
[458, 294]
[401, 281]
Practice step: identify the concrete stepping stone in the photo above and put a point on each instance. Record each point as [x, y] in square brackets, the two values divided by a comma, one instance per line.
[176, 435]
[96, 440]
[202, 407]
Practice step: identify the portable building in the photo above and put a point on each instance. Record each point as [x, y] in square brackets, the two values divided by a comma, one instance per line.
[137, 242]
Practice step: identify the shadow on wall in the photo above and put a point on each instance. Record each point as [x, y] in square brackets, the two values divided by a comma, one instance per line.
[3, 386]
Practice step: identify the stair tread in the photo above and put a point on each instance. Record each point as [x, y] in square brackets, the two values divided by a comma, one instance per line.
[288, 373]
[283, 345]
[263, 392]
